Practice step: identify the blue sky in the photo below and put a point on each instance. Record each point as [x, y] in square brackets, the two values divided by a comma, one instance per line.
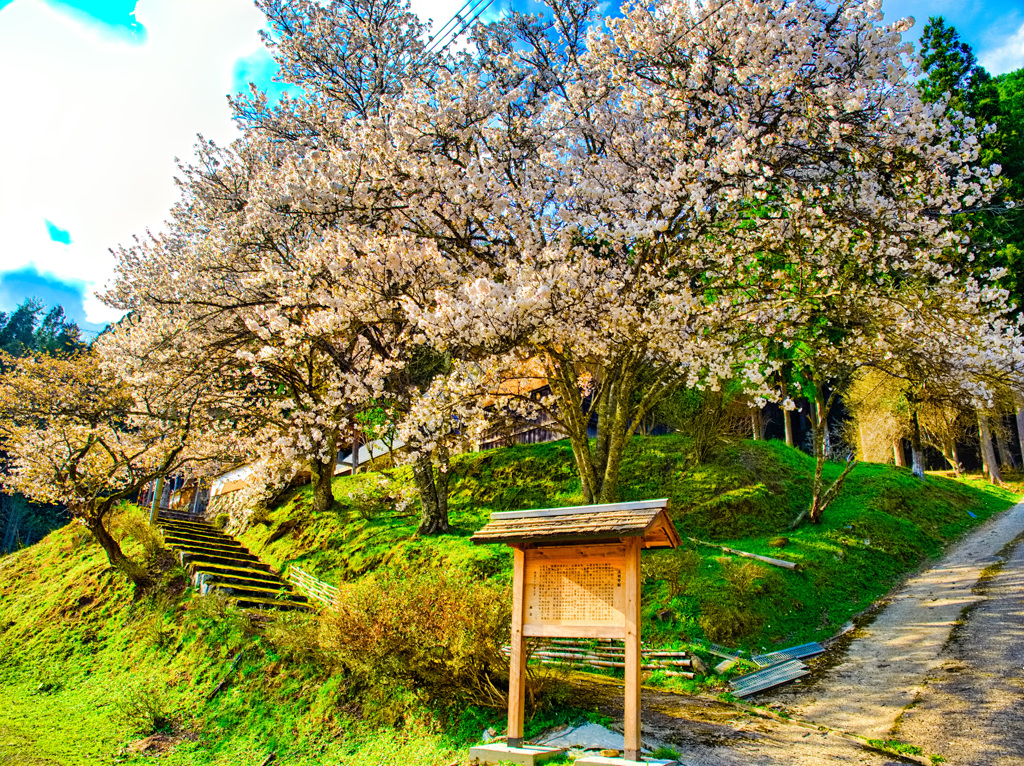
[100, 96]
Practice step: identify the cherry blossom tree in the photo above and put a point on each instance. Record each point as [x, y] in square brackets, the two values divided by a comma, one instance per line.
[655, 202]
[615, 208]
[79, 435]
[302, 339]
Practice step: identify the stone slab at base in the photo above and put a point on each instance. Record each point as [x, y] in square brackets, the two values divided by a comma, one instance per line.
[527, 755]
[600, 760]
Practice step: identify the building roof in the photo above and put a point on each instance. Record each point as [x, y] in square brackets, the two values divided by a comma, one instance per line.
[647, 519]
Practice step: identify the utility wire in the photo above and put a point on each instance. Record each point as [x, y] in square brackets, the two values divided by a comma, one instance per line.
[437, 44]
[444, 29]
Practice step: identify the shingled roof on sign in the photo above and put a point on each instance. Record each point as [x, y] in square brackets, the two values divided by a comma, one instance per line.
[647, 519]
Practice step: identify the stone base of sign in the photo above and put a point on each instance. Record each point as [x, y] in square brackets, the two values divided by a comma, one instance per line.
[601, 760]
[527, 755]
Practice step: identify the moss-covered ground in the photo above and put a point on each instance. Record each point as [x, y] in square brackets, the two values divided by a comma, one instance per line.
[884, 524]
[86, 668]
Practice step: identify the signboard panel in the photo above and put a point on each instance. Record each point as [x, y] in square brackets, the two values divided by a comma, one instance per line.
[575, 591]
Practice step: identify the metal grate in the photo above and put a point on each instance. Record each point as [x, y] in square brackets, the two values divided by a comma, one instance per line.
[720, 651]
[783, 655]
[752, 683]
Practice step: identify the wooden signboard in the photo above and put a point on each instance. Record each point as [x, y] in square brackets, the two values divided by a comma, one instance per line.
[575, 591]
[577, 575]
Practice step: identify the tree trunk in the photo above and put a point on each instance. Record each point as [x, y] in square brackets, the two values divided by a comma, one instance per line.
[787, 418]
[135, 572]
[154, 509]
[322, 477]
[949, 452]
[819, 466]
[1020, 422]
[585, 465]
[898, 457]
[820, 422]
[14, 514]
[917, 453]
[822, 497]
[433, 491]
[1006, 458]
[757, 421]
[619, 402]
[988, 455]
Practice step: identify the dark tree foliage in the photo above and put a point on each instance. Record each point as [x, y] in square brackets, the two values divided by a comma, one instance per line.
[997, 107]
[22, 332]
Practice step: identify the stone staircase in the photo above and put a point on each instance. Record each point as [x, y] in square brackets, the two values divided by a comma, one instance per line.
[217, 563]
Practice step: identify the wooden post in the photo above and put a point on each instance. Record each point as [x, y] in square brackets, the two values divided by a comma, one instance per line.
[517, 656]
[354, 460]
[631, 586]
[154, 510]
[1020, 422]
[897, 452]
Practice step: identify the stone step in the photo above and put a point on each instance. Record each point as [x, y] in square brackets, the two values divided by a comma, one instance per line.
[215, 571]
[238, 591]
[202, 546]
[209, 536]
[181, 516]
[204, 578]
[204, 549]
[247, 602]
[217, 563]
[247, 561]
[183, 519]
[192, 529]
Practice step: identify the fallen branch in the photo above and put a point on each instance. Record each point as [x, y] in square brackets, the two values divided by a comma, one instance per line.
[765, 559]
[220, 687]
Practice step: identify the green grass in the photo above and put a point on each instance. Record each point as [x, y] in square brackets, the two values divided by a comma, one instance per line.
[84, 667]
[884, 524]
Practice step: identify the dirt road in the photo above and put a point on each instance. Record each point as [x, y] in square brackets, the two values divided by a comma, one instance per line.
[887, 665]
[707, 732]
[970, 710]
[941, 666]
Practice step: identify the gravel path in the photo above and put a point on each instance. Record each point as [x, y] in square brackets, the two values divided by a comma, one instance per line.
[970, 711]
[941, 666]
[708, 732]
[888, 663]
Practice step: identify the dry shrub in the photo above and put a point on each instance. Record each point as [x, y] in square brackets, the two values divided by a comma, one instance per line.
[146, 709]
[732, 617]
[746, 579]
[710, 419]
[298, 636]
[677, 568]
[727, 623]
[425, 635]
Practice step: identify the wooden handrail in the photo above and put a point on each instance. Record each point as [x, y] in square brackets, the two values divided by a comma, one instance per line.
[309, 586]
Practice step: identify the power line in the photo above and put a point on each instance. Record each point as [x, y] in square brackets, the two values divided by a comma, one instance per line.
[434, 45]
[444, 29]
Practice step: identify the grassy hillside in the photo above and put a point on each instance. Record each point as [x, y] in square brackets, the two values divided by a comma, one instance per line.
[85, 668]
[884, 524]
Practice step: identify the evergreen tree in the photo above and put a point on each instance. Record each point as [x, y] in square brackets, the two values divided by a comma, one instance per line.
[997, 107]
[21, 334]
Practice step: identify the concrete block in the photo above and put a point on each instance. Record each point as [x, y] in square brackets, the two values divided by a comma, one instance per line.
[527, 755]
[600, 760]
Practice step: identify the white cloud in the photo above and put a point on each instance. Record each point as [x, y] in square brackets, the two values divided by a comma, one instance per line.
[1007, 57]
[93, 124]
